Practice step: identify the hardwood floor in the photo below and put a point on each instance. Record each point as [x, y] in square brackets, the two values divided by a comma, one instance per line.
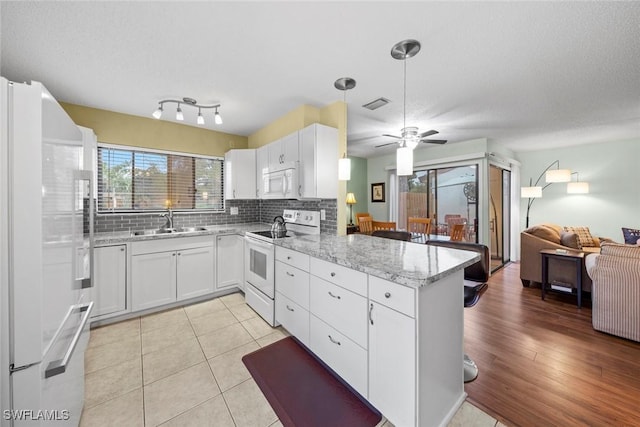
[541, 363]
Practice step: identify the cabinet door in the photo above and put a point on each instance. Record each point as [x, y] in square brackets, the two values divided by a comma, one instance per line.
[153, 280]
[195, 272]
[307, 153]
[275, 155]
[290, 150]
[229, 261]
[240, 174]
[110, 272]
[262, 168]
[392, 343]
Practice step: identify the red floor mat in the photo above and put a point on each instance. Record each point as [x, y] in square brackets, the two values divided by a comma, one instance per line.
[302, 392]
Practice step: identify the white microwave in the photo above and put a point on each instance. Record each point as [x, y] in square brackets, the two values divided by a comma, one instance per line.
[282, 184]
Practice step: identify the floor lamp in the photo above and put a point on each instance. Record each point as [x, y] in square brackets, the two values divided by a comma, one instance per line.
[534, 191]
[351, 200]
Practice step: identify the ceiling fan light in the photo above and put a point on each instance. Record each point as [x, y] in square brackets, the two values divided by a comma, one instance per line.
[411, 143]
[404, 161]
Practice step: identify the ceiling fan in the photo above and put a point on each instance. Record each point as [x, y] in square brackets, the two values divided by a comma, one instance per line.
[411, 137]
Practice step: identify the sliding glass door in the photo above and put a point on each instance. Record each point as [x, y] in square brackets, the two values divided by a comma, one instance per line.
[446, 195]
[499, 215]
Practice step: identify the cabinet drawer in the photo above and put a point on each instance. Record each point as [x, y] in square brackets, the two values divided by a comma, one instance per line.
[294, 318]
[353, 280]
[340, 308]
[398, 297]
[293, 283]
[296, 259]
[342, 355]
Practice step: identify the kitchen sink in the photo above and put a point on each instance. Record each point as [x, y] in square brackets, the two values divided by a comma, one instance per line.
[167, 231]
[189, 229]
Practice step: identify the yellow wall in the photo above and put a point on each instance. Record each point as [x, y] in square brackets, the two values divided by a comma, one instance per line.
[136, 131]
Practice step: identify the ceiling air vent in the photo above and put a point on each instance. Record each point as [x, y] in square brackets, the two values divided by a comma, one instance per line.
[376, 103]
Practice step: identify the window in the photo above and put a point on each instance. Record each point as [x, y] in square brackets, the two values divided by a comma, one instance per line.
[138, 180]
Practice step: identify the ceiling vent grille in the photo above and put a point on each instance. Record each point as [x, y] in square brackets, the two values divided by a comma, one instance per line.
[376, 103]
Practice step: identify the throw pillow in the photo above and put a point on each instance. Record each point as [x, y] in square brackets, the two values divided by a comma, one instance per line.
[544, 232]
[631, 235]
[584, 235]
[570, 240]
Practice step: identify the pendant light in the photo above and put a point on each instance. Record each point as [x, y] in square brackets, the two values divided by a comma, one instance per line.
[344, 164]
[404, 156]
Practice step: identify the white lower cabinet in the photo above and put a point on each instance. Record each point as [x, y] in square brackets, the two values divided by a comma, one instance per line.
[194, 272]
[110, 284]
[229, 261]
[170, 270]
[392, 343]
[293, 318]
[153, 278]
[344, 356]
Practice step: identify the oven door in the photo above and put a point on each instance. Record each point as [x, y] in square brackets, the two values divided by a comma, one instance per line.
[259, 265]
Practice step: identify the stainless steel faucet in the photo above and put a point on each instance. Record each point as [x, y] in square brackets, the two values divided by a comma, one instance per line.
[169, 216]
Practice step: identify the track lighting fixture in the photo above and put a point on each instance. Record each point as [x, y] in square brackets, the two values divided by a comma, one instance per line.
[192, 102]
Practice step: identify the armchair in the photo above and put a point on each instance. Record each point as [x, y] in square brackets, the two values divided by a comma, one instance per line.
[616, 290]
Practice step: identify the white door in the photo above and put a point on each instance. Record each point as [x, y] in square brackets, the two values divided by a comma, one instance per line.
[290, 150]
[195, 273]
[262, 168]
[110, 286]
[308, 173]
[392, 343]
[240, 174]
[153, 280]
[230, 261]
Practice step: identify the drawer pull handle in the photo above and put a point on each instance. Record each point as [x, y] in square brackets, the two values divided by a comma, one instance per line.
[334, 296]
[370, 310]
[290, 274]
[333, 274]
[387, 295]
[333, 341]
[289, 308]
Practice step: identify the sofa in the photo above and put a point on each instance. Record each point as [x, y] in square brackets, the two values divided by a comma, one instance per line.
[552, 236]
[615, 294]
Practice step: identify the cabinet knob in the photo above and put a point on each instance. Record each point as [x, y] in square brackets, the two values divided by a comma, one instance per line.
[288, 257]
[333, 274]
[121, 249]
[387, 295]
[173, 254]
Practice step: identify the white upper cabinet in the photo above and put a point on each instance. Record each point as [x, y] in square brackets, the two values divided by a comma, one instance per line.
[262, 168]
[240, 174]
[283, 153]
[318, 145]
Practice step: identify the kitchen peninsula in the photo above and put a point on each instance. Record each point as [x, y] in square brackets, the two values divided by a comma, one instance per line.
[386, 315]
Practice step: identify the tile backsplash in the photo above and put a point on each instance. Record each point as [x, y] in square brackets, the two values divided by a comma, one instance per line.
[248, 211]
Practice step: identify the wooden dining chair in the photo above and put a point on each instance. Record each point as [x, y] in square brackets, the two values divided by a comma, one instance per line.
[392, 234]
[365, 224]
[361, 214]
[457, 232]
[417, 225]
[384, 225]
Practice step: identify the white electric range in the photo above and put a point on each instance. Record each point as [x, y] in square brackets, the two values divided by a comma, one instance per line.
[259, 257]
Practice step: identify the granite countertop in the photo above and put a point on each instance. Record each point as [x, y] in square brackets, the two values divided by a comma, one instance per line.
[406, 263]
[101, 239]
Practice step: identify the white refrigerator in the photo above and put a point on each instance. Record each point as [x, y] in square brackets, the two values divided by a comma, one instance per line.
[46, 234]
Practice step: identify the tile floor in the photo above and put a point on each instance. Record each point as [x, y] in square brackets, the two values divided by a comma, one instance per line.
[183, 367]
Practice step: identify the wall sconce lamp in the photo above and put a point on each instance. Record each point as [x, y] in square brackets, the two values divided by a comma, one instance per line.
[351, 200]
[577, 186]
[188, 101]
[534, 191]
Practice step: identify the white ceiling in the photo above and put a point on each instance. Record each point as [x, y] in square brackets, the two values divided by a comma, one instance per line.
[530, 75]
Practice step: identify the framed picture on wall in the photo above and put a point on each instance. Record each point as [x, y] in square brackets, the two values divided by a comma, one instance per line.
[377, 192]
